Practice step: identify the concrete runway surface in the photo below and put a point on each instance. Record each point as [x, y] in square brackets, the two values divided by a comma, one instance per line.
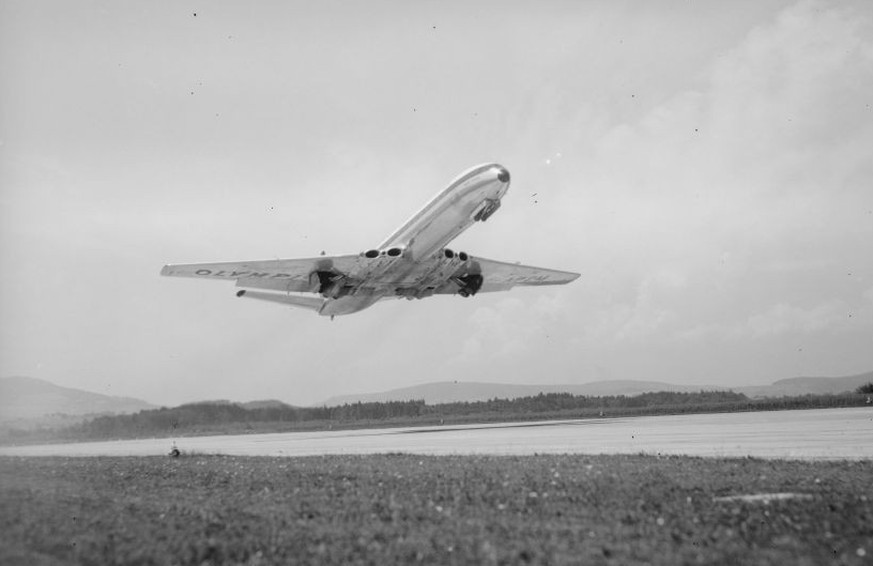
[804, 434]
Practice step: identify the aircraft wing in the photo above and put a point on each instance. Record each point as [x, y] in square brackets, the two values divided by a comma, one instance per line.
[502, 276]
[298, 275]
[273, 274]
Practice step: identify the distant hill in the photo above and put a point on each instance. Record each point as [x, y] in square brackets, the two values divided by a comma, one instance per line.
[30, 398]
[264, 404]
[807, 386]
[459, 391]
[260, 404]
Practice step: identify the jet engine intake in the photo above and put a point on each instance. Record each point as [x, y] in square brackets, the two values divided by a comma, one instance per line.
[455, 256]
[390, 252]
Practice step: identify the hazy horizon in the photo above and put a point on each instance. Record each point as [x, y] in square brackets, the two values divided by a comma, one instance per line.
[707, 167]
[486, 390]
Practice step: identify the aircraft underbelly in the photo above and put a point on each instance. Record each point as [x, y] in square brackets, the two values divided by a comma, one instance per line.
[440, 231]
[414, 276]
[444, 223]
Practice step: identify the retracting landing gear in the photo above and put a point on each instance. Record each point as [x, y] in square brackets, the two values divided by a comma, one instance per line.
[491, 206]
[469, 284]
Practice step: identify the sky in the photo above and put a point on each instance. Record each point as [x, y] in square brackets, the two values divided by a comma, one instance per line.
[706, 166]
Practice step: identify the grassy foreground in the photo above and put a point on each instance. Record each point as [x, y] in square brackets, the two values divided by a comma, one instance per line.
[393, 509]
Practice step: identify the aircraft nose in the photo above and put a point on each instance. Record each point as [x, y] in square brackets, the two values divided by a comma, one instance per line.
[502, 175]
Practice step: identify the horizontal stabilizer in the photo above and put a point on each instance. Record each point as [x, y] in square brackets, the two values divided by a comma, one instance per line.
[312, 303]
[300, 285]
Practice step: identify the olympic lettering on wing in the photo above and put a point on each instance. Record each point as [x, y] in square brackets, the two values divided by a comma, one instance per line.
[247, 274]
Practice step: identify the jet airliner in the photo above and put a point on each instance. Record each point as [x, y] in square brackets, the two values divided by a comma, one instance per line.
[413, 262]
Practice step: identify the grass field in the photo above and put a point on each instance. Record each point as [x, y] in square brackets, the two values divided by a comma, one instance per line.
[436, 510]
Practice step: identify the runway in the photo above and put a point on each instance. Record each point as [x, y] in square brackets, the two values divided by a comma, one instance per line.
[828, 434]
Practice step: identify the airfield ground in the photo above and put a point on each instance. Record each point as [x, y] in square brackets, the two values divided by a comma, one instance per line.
[384, 509]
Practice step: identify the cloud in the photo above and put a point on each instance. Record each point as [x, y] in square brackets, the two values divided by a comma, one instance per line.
[755, 184]
[833, 317]
[781, 118]
[514, 330]
[655, 309]
[783, 318]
